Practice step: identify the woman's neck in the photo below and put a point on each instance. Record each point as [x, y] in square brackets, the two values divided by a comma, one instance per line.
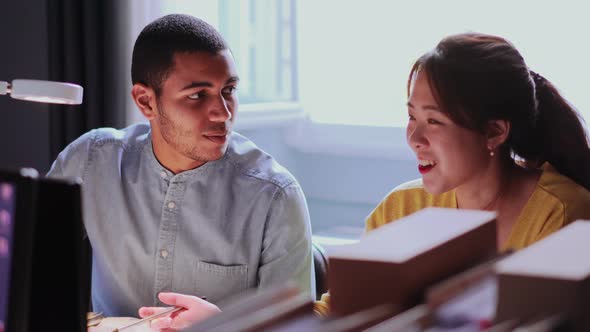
[505, 190]
[487, 190]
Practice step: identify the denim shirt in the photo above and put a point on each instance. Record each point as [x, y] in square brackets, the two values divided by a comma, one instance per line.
[232, 224]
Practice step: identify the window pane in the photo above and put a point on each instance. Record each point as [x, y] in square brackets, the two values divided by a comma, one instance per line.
[356, 55]
[261, 34]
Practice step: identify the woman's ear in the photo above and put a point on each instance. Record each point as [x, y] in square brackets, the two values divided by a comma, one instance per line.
[497, 133]
[145, 99]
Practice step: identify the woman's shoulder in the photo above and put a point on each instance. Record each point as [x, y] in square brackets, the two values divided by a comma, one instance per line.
[414, 184]
[561, 186]
[411, 192]
[406, 199]
[414, 191]
[573, 197]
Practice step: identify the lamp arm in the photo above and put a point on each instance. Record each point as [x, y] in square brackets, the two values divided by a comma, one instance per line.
[43, 91]
[5, 88]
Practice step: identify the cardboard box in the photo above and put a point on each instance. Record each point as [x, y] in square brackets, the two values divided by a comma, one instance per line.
[396, 262]
[550, 277]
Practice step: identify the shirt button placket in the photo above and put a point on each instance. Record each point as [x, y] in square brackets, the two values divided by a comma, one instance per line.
[167, 235]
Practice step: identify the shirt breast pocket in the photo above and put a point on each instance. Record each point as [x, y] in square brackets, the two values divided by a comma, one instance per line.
[217, 282]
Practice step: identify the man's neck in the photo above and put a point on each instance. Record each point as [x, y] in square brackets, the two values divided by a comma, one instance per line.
[172, 160]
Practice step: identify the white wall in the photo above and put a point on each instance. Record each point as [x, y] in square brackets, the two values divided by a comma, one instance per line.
[342, 182]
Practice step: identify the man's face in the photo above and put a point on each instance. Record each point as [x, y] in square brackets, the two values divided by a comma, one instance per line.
[196, 108]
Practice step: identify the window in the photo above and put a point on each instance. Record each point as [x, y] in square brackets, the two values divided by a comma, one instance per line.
[355, 56]
[261, 34]
[347, 62]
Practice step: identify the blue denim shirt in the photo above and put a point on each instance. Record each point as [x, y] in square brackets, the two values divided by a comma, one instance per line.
[235, 223]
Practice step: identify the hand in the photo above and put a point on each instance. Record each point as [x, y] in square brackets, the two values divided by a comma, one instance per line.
[195, 309]
[109, 324]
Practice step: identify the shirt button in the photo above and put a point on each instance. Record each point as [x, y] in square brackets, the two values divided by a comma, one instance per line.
[163, 175]
[171, 205]
[164, 253]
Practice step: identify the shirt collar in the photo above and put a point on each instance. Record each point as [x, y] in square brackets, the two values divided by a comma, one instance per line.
[202, 170]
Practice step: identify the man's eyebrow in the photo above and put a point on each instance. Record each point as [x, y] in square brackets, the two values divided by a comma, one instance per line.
[191, 85]
[233, 79]
[426, 107]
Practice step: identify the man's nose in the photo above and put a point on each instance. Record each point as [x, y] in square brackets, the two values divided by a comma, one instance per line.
[220, 110]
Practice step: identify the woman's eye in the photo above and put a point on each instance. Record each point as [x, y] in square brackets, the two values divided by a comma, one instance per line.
[411, 117]
[432, 121]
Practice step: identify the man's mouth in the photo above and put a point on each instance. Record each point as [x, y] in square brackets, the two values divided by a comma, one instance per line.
[425, 166]
[217, 137]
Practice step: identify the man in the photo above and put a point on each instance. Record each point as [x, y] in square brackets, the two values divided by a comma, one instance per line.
[184, 204]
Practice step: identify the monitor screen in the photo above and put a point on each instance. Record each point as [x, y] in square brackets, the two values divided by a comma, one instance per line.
[7, 207]
[45, 257]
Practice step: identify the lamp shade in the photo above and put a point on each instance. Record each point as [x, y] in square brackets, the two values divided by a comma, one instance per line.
[43, 91]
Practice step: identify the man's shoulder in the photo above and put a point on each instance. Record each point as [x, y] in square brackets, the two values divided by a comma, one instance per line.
[92, 148]
[130, 137]
[250, 160]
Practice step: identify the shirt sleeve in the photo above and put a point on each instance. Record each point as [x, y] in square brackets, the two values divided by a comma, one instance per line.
[72, 161]
[383, 213]
[286, 248]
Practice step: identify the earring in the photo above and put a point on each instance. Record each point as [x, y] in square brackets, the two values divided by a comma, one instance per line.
[491, 151]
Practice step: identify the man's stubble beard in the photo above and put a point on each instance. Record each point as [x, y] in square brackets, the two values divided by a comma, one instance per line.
[173, 136]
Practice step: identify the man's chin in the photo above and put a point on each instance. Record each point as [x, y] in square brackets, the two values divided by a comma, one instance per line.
[216, 154]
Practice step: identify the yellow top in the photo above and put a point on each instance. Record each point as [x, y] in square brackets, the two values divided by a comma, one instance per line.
[555, 202]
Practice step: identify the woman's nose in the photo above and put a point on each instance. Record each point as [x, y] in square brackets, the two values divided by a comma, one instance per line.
[416, 137]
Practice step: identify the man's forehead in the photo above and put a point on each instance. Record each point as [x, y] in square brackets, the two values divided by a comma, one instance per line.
[191, 65]
[203, 56]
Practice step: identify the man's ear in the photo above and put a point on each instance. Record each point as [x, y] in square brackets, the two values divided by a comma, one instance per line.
[145, 99]
[497, 133]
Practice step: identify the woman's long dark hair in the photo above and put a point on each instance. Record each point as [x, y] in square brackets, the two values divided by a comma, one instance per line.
[476, 78]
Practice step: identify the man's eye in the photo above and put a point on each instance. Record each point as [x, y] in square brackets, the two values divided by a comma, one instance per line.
[230, 89]
[411, 117]
[194, 96]
[432, 121]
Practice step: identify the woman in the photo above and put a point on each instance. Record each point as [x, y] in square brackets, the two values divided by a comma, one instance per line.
[490, 134]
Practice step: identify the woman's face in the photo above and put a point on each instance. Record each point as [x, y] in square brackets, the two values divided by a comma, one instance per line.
[449, 156]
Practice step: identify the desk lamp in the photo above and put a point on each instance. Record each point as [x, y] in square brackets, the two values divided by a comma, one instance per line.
[43, 91]
[31, 293]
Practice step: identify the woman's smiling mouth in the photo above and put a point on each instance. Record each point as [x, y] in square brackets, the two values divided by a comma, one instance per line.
[425, 166]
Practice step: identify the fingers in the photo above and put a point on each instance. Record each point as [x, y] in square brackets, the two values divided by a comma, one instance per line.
[163, 323]
[149, 311]
[182, 300]
[145, 312]
[194, 310]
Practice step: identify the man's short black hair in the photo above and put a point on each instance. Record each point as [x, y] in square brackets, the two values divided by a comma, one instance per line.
[159, 41]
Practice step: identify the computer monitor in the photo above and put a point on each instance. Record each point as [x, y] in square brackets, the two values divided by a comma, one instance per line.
[44, 255]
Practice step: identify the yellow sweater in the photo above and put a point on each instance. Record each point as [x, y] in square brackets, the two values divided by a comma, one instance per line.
[555, 202]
